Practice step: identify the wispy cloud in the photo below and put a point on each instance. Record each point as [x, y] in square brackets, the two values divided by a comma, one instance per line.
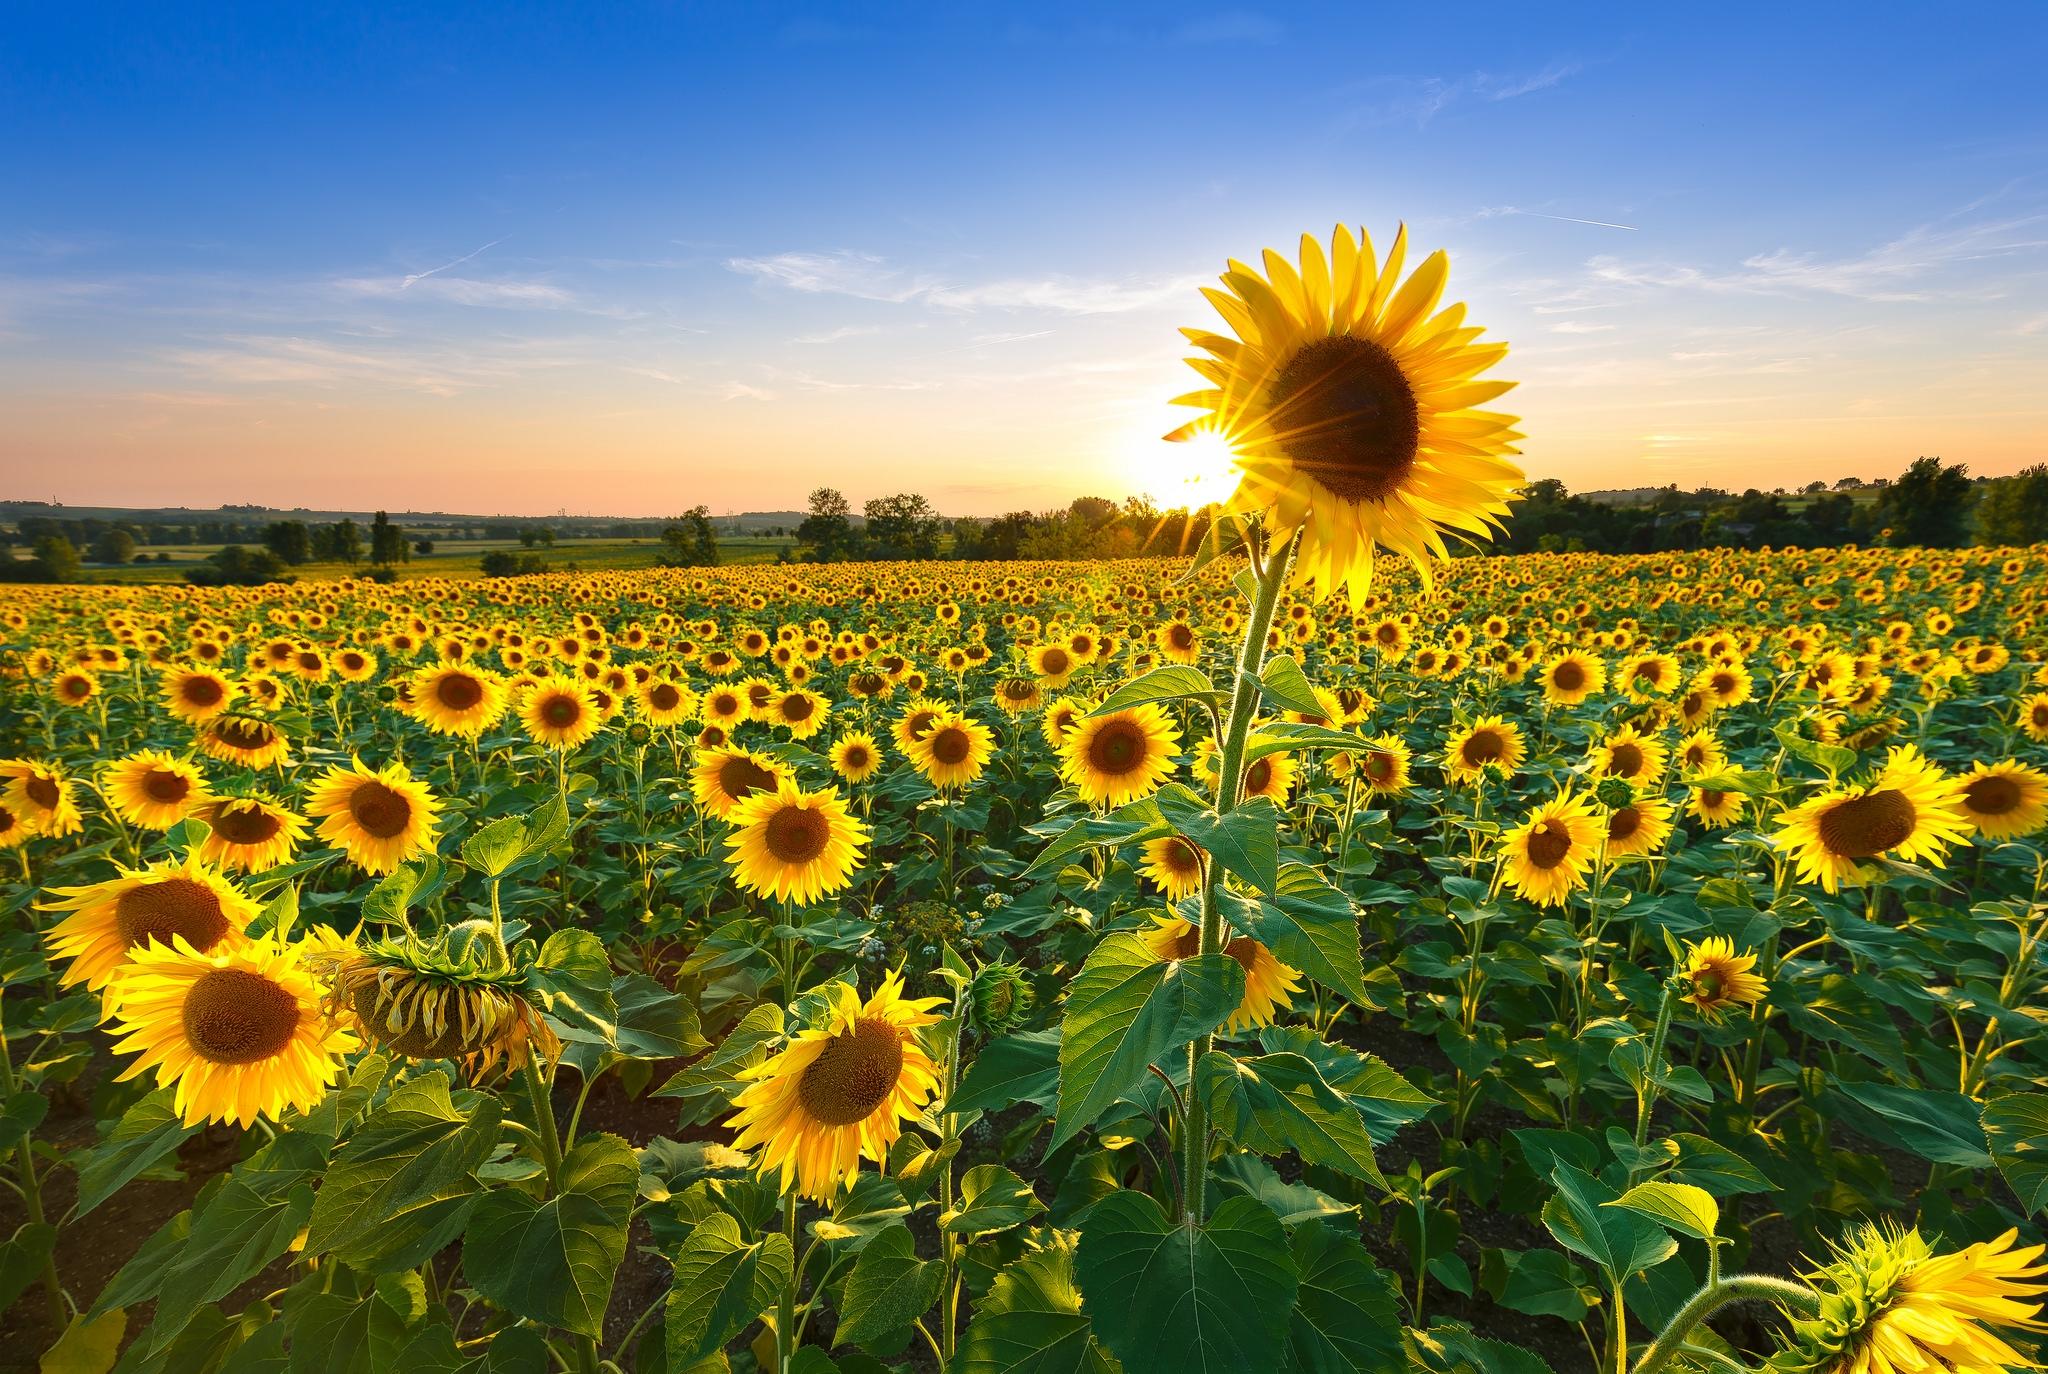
[1385, 100]
[868, 277]
[742, 391]
[437, 370]
[1498, 211]
[844, 331]
[460, 291]
[433, 271]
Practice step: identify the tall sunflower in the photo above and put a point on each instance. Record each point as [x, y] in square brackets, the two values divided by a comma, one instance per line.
[1174, 865]
[455, 699]
[196, 695]
[665, 702]
[839, 1091]
[2005, 801]
[1489, 744]
[1571, 677]
[1269, 985]
[1550, 852]
[1910, 811]
[153, 789]
[41, 796]
[237, 1033]
[1630, 754]
[723, 778]
[182, 899]
[248, 834]
[1350, 403]
[855, 756]
[380, 817]
[1713, 808]
[560, 712]
[794, 845]
[1121, 756]
[953, 751]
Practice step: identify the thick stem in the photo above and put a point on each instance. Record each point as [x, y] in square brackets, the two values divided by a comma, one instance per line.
[1244, 700]
[1653, 1077]
[1715, 1296]
[544, 1120]
[32, 1189]
[785, 1311]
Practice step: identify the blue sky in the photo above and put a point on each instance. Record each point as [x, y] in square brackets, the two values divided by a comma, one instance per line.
[625, 259]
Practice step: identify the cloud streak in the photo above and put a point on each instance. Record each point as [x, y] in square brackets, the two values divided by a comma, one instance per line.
[865, 276]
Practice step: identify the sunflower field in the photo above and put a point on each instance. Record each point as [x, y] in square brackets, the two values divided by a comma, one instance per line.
[1308, 954]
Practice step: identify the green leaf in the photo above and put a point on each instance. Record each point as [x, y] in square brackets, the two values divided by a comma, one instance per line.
[239, 1231]
[495, 847]
[1030, 1321]
[1677, 1207]
[146, 1132]
[1940, 1126]
[573, 979]
[402, 1188]
[721, 1284]
[1620, 1242]
[1537, 1283]
[553, 1262]
[545, 829]
[1246, 842]
[1386, 1100]
[889, 1288]
[871, 1206]
[1080, 835]
[21, 1259]
[1164, 1295]
[391, 899]
[1707, 1164]
[19, 1115]
[1283, 684]
[991, 1199]
[1276, 1102]
[88, 1346]
[1024, 1067]
[1169, 683]
[2016, 1127]
[1346, 1319]
[745, 1046]
[1307, 923]
[1127, 1008]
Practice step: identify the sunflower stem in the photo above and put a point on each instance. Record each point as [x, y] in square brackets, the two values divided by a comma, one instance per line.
[543, 1120]
[32, 1189]
[1244, 700]
[1653, 1078]
[1711, 1299]
[785, 1311]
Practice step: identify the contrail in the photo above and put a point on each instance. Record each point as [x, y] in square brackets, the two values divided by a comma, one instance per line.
[1569, 219]
[422, 276]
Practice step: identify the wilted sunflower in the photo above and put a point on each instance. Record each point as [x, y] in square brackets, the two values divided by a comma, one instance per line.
[953, 750]
[1890, 1305]
[248, 834]
[855, 756]
[152, 789]
[41, 796]
[1717, 977]
[560, 712]
[2005, 801]
[182, 899]
[840, 1091]
[1911, 811]
[1119, 757]
[794, 845]
[1016, 695]
[1549, 853]
[1269, 985]
[237, 1033]
[456, 995]
[380, 817]
[1349, 403]
[1174, 865]
[723, 778]
[1491, 743]
[455, 699]
[1570, 678]
[245, 740]
[196, 695]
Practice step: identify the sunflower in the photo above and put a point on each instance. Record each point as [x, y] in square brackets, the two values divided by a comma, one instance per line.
[799, 711]
[1061, 719]
[560, 712]
[183, 899]
[1349, 403]
[1269, 985]
[1700, 754]
[2034, 717]
[1911, 811]
[1549, 853]
[152, 789]
[838, 1091]
[454, 699]
[723, 778]
[1638, 827]
[1715, 809]
[1569, 678]
[1628, 754]
[1890, 1305]
[1174, 865]
[1179, 642]
[2005, 801]
[245, 740]
[1016, 695]
[41, 796]
[380, 817]
[953, 751]
[196, 695]
[456, 995]
[14, 831]
[1383, 766]
[794, 845]
[916, 721]
[1489, 743]
[1054, 665]
[1121, 756]
[855, 756]
[75, 688]
[248, 834]
[237, 1032]
[663, 702]
[1718, 977]
[1726, 684]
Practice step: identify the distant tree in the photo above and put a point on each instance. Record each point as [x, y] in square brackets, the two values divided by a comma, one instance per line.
[828, 529]
[387, 542]
[1848, 483]
[902, 526]
[1928, 505]
[1814, 488]
[688, 541]
[235, 566]
[505, 563]
[423, 547]
[113, 546]
[290, 540]
[541, 535]
[2014, 510]
[340, 542]
[55, 560]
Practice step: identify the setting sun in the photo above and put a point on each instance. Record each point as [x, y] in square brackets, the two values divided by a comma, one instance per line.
[1194, 471]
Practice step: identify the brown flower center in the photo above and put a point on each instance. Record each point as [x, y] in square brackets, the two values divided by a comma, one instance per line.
[561, 711]
[381, 811]
[155, 912]
[43, 791]
[1864, 827]
[459, 692]
[1484, 746]
[1992, 796]
[1626, 761]
[163, 785]
[739, 777]
[952, 746]
[1055, 661]
[1117, 748]
[1549, 843]
[1344, 413]
[854, 1074]
[235, 1016]
[1379, 766]
[797, 834]
[201, 691]
[664, 697]
[1625, 822]
[1258, 777]
[1568, 676]
[245, 825]
[797, 708]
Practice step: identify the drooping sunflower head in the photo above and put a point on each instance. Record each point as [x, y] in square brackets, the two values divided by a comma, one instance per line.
[2005, 801]
[1016, 695]
[1269, 985]
[1121, 755]
[247, 740]
[794, 845]
[456, 995]
[953, 750]
[182, 899]
[238, 1033]
[1716, 977]
[1889, 1303]
[838, 1091]
[380, 817]
[724, 777]
[1350, 404]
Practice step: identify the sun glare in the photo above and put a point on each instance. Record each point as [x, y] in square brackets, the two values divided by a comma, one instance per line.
[1195, 471]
